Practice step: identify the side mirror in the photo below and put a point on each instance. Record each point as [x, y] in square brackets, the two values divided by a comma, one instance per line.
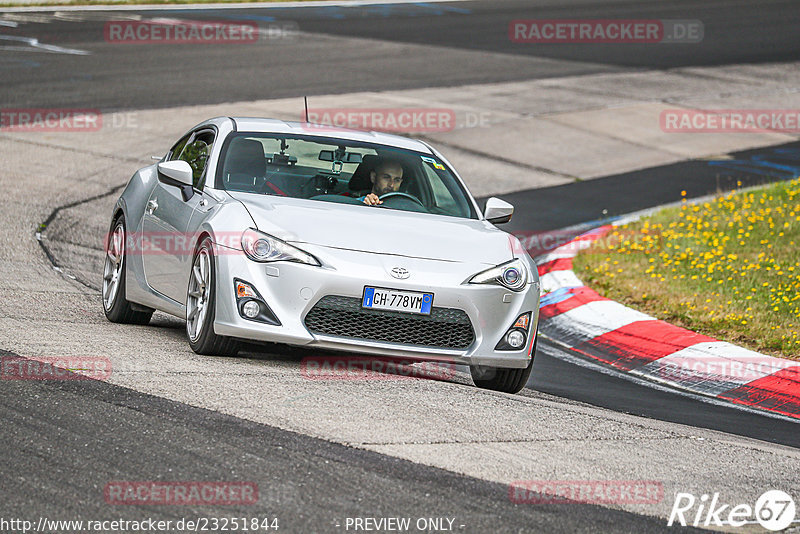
[498, 211]
[178, 170]
[177, 173]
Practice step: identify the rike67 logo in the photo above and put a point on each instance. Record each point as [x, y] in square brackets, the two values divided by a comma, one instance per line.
[774, 510]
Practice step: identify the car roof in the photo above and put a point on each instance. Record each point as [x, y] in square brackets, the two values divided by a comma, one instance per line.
[264, 125]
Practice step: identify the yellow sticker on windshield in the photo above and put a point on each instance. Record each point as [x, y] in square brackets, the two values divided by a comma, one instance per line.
[436, 164]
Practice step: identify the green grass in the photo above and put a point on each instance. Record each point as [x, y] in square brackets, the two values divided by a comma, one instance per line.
[728, 268]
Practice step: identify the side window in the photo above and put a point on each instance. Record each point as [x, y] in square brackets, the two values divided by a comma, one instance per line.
[175, 151]
[442, 196]
[196, 153]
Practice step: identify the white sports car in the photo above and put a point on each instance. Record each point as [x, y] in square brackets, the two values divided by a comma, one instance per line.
[263, 230]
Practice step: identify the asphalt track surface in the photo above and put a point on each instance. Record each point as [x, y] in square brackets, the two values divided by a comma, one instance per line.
[551, 208]
[124, 434]
[106, 433]
[142, 76]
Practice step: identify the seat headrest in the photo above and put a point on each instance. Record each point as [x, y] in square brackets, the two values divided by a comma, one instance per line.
[246, 157]
[360, 181]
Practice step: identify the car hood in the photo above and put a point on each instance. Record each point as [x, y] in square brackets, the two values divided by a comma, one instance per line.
[378, 230]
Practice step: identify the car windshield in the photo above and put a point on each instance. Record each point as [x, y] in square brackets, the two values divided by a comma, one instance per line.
[341, 171]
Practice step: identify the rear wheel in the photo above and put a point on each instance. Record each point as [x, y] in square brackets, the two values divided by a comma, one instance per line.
[503, 379]
[117, 308]
[201, 306]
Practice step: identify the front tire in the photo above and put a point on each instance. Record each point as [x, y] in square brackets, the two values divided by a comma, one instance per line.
[503, 379]
[116, 307]
[201, 297]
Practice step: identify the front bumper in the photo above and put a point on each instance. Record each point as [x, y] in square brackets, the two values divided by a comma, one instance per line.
[291, 290]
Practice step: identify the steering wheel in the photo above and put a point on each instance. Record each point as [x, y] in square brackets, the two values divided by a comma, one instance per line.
[400, 194]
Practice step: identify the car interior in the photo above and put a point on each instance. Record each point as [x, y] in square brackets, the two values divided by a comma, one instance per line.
[248, 168]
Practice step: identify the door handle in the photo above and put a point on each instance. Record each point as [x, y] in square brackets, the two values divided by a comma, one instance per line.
[152, 205]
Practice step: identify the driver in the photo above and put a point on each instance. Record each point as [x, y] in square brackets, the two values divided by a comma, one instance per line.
[386, 178]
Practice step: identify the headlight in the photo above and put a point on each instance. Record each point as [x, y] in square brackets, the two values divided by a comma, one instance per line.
[262, 247]
[512, 275]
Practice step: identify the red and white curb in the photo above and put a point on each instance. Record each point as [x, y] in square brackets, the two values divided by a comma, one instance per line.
[633, 342]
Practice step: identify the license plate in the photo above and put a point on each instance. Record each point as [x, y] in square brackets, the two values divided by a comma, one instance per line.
[379, 298]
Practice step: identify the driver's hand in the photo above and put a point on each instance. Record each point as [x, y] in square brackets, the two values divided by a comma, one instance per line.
[372, 200]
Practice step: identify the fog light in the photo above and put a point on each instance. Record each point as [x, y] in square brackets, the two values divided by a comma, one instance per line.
[251, 309]
[515, 339]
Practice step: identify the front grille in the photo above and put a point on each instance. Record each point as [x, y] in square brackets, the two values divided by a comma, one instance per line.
[445, 328]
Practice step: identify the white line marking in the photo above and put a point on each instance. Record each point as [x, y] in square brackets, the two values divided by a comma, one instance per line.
[594, 319]
[83, 17]
[558, 279]
[713, 367]
[573, 247]
[253, 5]
[36, 46]
[561, 351]
[550, 256]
